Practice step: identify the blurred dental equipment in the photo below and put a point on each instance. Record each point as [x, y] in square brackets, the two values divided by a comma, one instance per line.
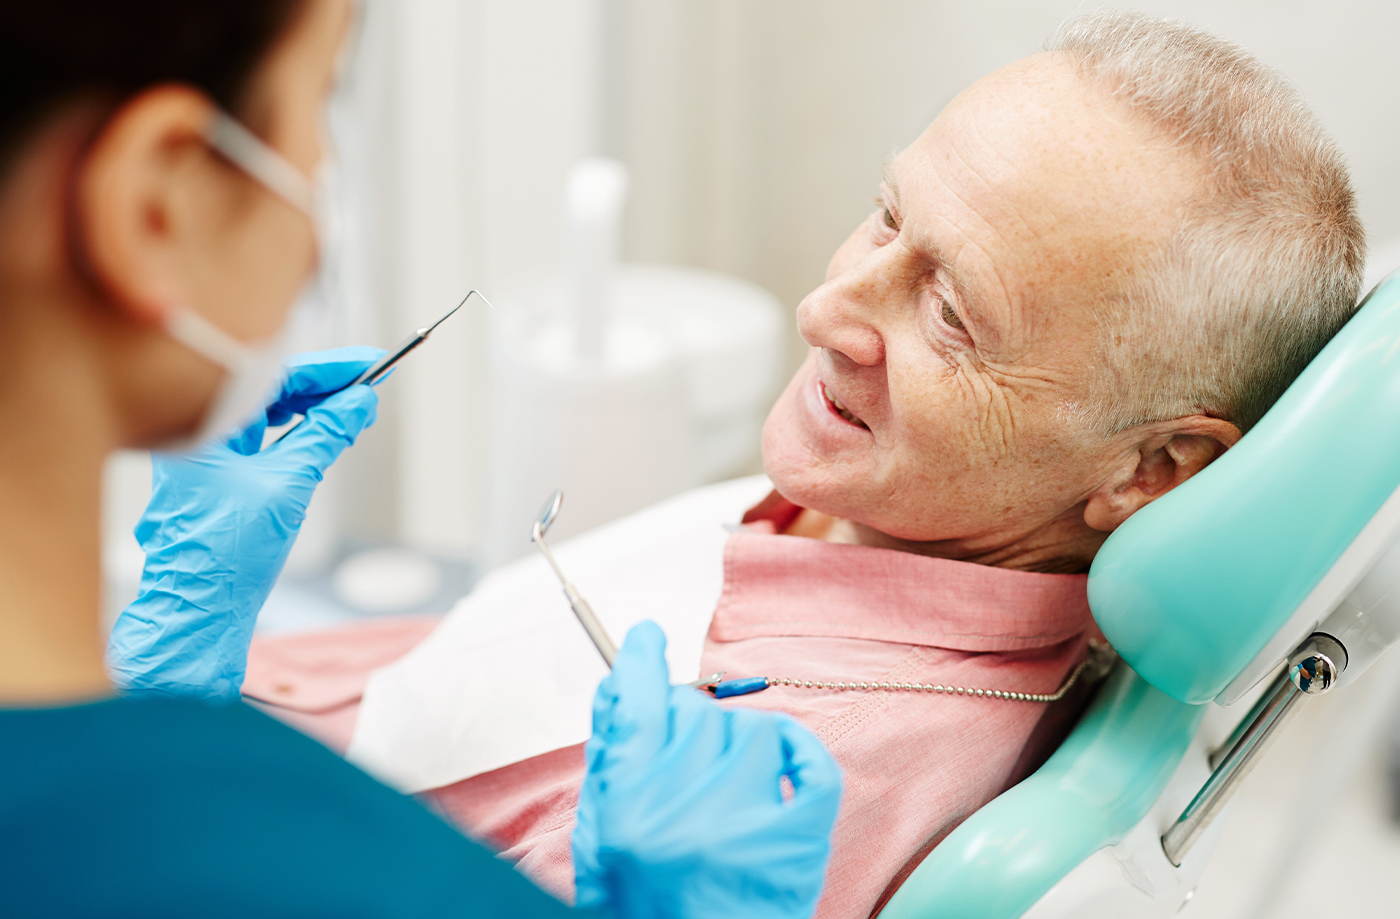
[621, 384]
[377, 371]
[580, 606]
[386, 579]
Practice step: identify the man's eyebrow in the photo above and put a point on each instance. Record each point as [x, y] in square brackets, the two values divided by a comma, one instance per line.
[974, 313]
[887, 174]
[944, 265]
[955, 281]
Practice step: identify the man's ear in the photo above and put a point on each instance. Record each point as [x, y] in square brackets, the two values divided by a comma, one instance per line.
[134, 197]
[1160, 457]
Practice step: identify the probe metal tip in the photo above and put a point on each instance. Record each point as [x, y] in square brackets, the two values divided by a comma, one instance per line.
[425, 332]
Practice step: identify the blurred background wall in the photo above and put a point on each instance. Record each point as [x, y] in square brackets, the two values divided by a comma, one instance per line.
[754, 132]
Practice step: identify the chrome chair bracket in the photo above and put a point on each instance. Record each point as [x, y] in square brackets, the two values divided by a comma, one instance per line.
[1312, 669]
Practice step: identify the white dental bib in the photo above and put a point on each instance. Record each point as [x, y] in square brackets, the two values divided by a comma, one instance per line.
[509, 673]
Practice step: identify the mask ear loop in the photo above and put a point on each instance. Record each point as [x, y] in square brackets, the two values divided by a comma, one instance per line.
[228, 137]
[208, 340]
[248, 152]
[268, 167]
[252, 368]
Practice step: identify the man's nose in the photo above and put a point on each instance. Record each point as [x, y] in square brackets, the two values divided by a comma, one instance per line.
[850, 312]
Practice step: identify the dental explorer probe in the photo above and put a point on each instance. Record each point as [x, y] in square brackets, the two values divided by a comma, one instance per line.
[379, 368]
[386, 363]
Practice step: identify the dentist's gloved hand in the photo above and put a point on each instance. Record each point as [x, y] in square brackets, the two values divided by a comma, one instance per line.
[682, 813]
[219, 526]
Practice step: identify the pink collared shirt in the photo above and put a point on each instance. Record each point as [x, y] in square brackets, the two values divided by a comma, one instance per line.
[915, 764]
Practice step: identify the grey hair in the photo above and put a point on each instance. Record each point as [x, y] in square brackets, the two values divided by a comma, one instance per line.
[1266, 262]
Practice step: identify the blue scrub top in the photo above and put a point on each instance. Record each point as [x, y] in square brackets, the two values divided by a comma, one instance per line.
[158, 807]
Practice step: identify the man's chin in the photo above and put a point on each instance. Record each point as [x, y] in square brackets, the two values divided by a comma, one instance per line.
[803, 478]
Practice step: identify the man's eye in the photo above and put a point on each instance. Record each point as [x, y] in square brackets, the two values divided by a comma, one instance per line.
[951, 317]
[889, 220]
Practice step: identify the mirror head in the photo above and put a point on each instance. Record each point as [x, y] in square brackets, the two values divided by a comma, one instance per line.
[547, 514]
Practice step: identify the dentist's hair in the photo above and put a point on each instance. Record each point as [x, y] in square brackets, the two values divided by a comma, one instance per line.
[1266, 263]
[57, 52]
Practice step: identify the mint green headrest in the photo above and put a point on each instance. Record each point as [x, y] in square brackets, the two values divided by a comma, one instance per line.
[1192, 586]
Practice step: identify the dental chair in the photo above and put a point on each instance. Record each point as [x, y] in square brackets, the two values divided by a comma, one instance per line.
[1276, 568]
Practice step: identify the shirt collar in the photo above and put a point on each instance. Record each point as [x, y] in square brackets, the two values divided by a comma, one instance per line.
[793, 586]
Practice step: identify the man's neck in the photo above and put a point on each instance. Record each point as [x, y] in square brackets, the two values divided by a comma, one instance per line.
[1063, 546]
[51, 457]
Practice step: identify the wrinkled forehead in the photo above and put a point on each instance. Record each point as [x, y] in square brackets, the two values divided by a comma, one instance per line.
[1037, 190]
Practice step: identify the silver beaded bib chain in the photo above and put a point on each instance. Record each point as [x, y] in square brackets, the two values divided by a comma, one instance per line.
[1094, 667]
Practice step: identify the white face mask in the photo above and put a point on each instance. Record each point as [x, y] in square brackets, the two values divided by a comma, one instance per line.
[253, 369]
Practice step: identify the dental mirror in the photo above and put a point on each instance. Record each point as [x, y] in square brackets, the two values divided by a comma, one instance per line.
[580, 606]
[547, 515]
[582, 610]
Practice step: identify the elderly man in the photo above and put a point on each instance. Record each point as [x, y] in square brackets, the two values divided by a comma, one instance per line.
[1094, 271]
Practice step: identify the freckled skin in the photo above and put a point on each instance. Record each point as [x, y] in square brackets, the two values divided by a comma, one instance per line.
[1032, 193]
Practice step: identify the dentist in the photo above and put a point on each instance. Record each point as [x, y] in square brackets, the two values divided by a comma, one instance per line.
[157, 220]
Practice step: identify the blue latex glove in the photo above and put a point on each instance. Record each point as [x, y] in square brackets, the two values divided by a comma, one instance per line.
[219, 526]
[682, 813]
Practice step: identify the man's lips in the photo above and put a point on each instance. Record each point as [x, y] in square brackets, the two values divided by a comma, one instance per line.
[834, 404]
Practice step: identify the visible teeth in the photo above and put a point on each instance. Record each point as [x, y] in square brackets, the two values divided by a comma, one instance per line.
[841, 409]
